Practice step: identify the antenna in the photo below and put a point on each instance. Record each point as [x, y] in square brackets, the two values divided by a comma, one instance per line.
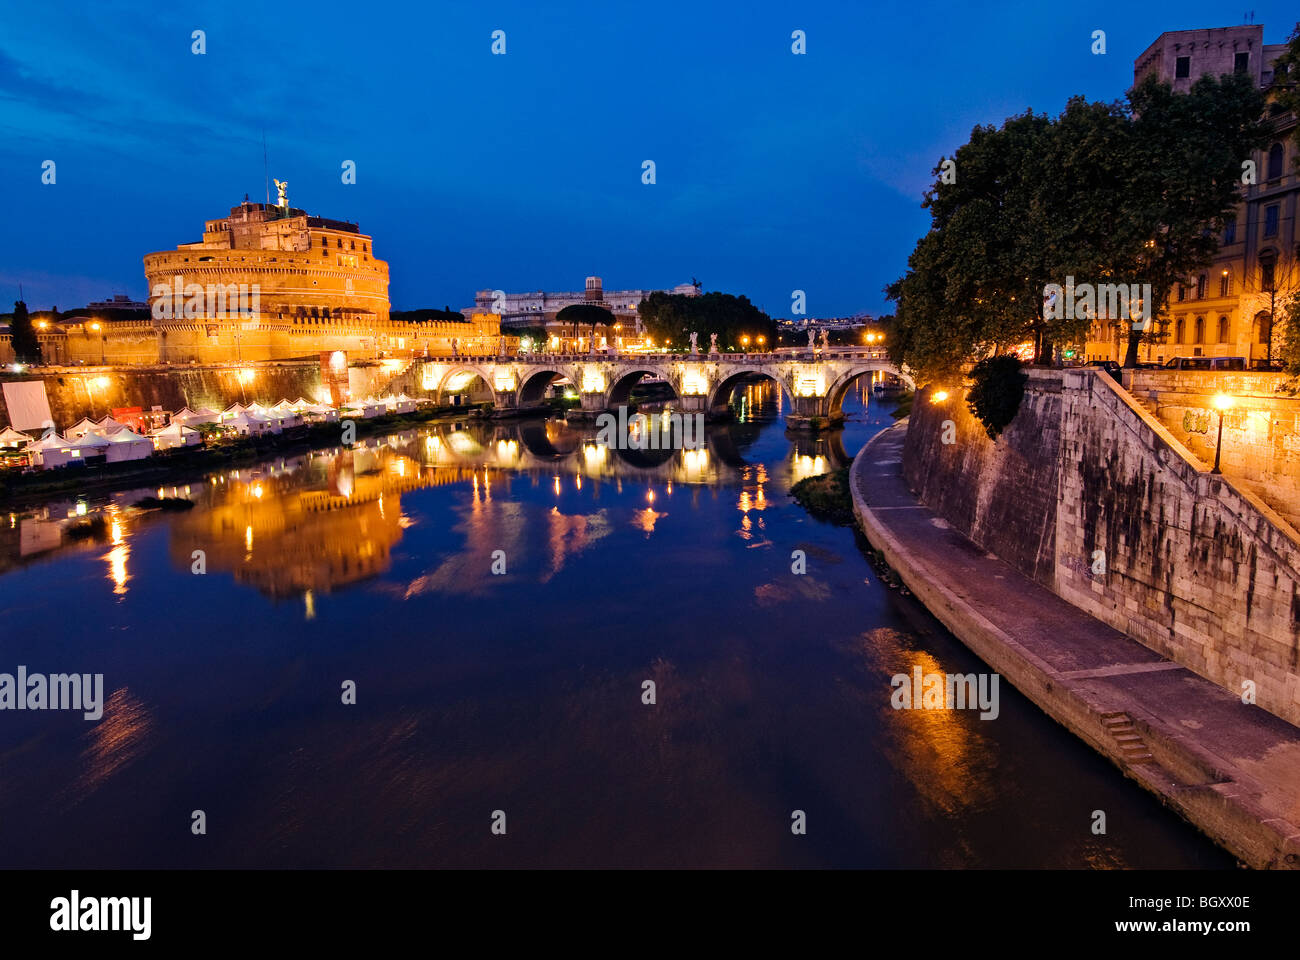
[266, 170]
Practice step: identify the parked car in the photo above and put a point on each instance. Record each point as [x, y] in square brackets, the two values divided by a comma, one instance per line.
[1110, 366]
[1268, 366]
[1206, 363]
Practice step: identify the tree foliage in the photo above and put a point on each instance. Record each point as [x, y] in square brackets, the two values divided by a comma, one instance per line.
[998, 386]
[588, 315]
[673, 317]
[1127, 192]
[26, 346]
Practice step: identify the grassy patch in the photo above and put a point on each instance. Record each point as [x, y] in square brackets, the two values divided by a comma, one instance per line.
[827, 497]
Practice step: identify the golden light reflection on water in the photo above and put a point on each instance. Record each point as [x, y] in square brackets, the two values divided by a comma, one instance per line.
[119, 737]
[941, 752]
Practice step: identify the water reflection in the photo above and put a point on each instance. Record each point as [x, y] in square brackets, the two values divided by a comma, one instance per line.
[307, 525]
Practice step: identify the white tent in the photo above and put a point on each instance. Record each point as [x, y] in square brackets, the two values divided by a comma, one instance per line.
[192, 418]
[79, 429]
[234, 410]
[404, 404]
[126, 444]
[9, 437]
[55, 451]
[251, 425]
[108, 426]
[51, 450]
[175, 435]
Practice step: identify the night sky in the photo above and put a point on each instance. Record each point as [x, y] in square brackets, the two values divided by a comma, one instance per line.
[774, 172]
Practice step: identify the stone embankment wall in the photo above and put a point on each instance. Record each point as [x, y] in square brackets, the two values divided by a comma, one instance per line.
[94, 392]
[1092, 496]
[1261, 430]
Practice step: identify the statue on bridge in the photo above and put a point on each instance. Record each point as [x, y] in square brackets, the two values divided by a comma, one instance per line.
[694, 348]
[454, 351]
[812, 340]
[826, 340]
[713, 344]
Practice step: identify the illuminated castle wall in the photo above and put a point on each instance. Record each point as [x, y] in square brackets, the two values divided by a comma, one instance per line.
[318, 286]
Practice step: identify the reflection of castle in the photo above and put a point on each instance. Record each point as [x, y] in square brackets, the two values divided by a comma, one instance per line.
[286, 542]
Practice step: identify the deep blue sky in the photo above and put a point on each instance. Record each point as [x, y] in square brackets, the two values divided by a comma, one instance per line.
[523, 171]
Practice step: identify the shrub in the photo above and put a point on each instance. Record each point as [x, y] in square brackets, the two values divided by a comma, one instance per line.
[999, 386]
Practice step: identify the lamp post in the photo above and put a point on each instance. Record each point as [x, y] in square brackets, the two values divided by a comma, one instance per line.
[1221, 403]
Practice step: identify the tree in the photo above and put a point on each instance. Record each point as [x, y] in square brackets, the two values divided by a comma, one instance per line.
[1288, 350]
[672, 317]
[1185, 178]
[26, 346]
[585, 314]
[1285, 89]
[1105, 193]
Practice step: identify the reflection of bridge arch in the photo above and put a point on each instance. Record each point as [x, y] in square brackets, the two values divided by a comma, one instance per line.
[720, 395]
[620, 389]
[548, 439]
[839, 388]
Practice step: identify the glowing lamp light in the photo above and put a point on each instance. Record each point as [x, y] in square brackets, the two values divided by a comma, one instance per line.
[95, 327]
[246, 376]
[1222, 401]
[939, 396]
[592, 381]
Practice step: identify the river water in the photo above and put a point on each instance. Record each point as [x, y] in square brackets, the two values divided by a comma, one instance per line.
[515, 699]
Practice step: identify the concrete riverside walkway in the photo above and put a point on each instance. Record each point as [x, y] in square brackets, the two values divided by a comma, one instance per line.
[1231, 769]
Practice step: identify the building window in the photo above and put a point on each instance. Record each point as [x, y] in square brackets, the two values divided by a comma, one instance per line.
[1275, 156]
[1182, 293]
[324, 241]
[1266, 274]
[1241, 63]
[1180, 329]
[1223, 329]
[1264, 324]
[1200, 287]
[1200, 330]
[1270, 220]
[1182, 68]
[1230, 233]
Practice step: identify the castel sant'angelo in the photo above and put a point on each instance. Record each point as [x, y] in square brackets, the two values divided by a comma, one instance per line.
[267, 282]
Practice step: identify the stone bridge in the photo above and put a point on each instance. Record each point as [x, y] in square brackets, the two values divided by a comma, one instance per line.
[814, 383]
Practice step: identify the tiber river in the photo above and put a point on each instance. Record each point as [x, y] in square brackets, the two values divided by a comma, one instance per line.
[520, 693]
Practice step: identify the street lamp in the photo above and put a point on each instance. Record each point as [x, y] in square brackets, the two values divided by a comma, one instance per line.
[744, 341]
[761, 341]
[1221, 403]
[939, 396]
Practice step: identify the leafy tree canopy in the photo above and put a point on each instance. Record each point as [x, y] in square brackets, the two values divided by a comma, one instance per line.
[1129, 192]
[673, 317]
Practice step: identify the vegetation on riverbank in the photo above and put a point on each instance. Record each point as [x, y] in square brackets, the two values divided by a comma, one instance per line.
[827, 497]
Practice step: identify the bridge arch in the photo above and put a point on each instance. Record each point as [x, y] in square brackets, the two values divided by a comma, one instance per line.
[839, 387]
[625, 379]
[533, 382]
[469, 379]
[720, 392]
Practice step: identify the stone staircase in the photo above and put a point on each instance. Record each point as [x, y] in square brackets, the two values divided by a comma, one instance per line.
[1121, 729]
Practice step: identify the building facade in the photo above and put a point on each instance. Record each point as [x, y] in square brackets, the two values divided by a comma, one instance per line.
[539, 309]
[1233, 308]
